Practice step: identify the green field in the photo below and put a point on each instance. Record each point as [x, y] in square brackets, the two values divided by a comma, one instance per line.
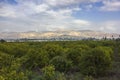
[60, 60]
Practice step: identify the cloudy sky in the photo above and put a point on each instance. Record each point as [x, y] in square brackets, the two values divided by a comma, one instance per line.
[48, 15]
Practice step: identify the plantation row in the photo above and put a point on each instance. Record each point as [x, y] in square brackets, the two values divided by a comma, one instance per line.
[60, 60]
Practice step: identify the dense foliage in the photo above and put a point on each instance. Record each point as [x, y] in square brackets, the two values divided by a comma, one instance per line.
[58, 60]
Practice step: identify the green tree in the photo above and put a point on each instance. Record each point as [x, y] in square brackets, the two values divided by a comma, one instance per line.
[95, 62]
[61, 64]
[35, 59]
[53, 50]
[48, 72]
[74, 53]
[2, 41]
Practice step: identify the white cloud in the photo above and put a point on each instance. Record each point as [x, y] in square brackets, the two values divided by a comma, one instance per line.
[81, 22]
[31, 16]
[41, 8]
[61, 2]
[110, 26]
[43, 15]
[7, 11]
[88, 7]
[68, 2]
[109, 5]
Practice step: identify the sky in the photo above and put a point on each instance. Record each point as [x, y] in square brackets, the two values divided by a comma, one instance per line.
[52, 15]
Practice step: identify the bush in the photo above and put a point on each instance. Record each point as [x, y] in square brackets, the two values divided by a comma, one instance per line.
[61, 64]
[35, 59]
[96, 62]
[74, 56]
[48, 73]
[5, 60]
[74, 53]
[88, 78]
[2, 41]
[53, 50]
[2, 78]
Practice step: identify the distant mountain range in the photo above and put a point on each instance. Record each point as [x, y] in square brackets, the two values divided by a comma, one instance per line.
[70, 34]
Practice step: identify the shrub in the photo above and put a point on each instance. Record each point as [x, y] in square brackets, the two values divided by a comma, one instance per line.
[74, 55]
[2, 78]
[60, 76]
[61, 64]
[5, 60]
[35, 59]
[88, 78]
[95, 62]
[53, 50]
[48, 73]
[2, 41]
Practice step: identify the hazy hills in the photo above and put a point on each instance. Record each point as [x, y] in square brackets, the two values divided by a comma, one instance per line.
[57, 34]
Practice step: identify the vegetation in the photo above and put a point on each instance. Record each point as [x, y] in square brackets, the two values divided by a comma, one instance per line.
[60, 60]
